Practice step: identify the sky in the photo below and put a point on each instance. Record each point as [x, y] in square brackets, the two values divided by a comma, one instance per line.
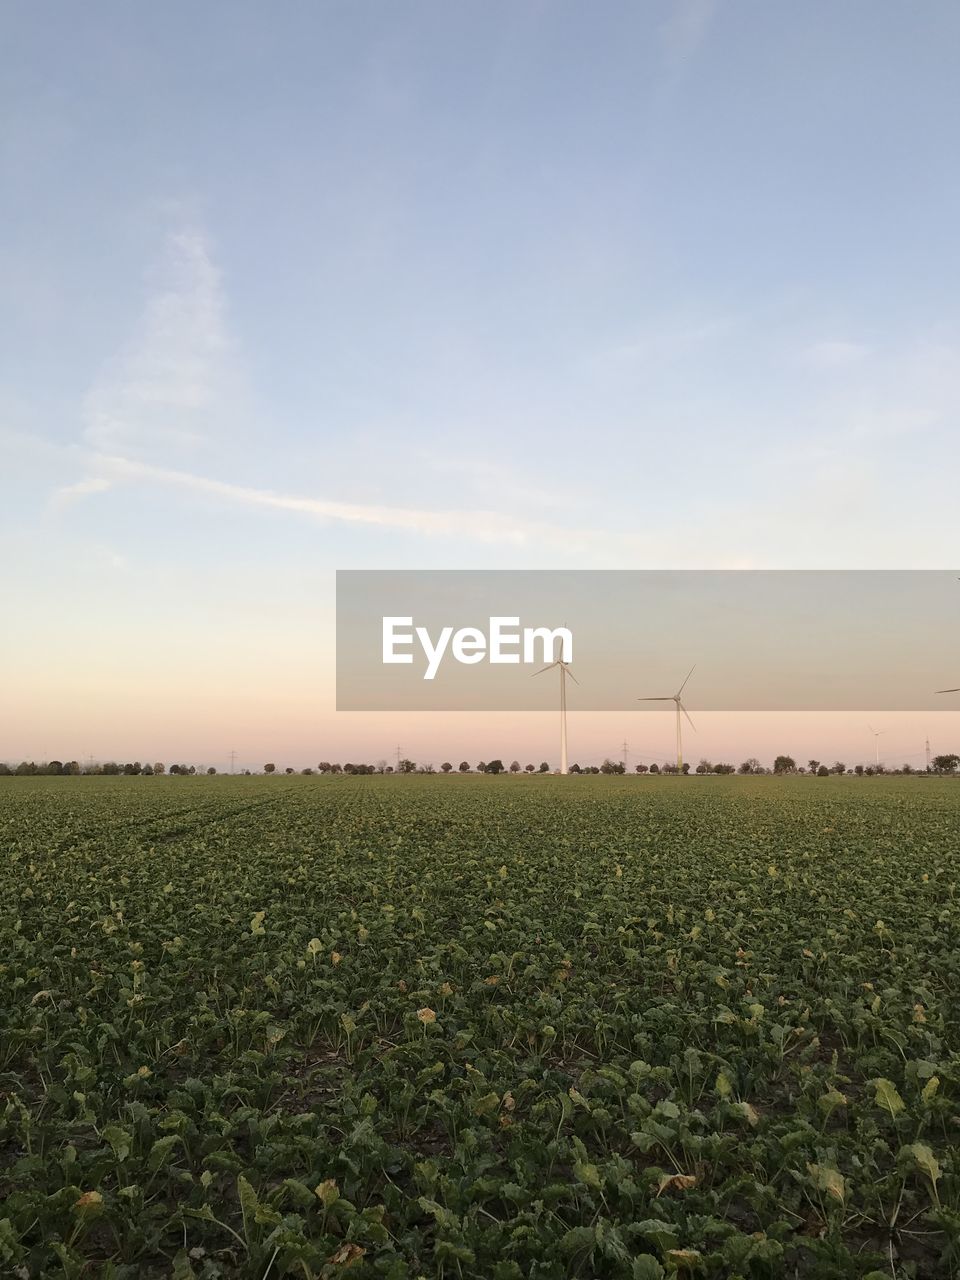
[476, 285]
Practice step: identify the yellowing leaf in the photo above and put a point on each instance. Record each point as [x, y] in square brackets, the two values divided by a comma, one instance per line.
[926, 1160]
[327, 1192]
[828, 1179]
[676, 1182]
[346, 1255]
[930, 1089]
[89, 1202]
[887, 1096]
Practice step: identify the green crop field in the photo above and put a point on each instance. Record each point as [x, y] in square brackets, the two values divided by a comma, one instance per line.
[479, 1027]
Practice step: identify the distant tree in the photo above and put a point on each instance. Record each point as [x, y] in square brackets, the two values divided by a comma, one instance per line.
[544, 767]
[669, 767]
[426, 768]
[575, 768]
[158, 767]
[148, 770]
[481, 767]
[613, 766]
[495, 766]
[685, 768]
[813, 765]
[529, 768]
[724, 768]
[906, 768]
[823, 772]
[704, 767]
[269, 768]
[464, 766]
[55, 768]
[641, 768]
[307, 772]
[289, 769]
[838, 767]
[111, 768]
[211, 771]
[446, 767]
[752, 765]
[784, 764]
[335, 768]
[514, 766]
[945, 763]
[5, 770]
[858, 770]
[654, 768]
[407, 766]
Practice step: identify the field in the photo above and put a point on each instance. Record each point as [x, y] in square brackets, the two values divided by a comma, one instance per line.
[479, 1027]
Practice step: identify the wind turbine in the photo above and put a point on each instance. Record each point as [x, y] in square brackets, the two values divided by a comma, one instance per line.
[564, 672]
[957, 690]
[675, 697]
[877, 734]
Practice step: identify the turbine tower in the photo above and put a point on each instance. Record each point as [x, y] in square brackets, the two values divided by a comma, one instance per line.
[564, 672]
[877, 734]
[675, 698]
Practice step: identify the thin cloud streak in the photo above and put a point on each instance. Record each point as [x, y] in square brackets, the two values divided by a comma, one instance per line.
[81, 489]
[481, 526]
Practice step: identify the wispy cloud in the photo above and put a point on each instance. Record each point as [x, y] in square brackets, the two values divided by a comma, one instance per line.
[157, 387]
[834, 355]
[686, 29]
[478, 526]
[81, 489]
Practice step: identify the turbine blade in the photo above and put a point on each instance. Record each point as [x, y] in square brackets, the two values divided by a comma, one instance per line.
[667, 698]
[547, 668]
[686, 713]
[689, 674]
[568, 672]
[948, 690]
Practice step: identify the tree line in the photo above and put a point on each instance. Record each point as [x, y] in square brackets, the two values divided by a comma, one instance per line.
[946, 764]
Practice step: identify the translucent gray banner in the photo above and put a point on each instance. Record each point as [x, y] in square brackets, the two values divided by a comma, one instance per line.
[475, 640]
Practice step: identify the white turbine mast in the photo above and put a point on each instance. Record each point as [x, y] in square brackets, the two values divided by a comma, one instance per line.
[877, 735]
[565, 671]
[675, 698]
